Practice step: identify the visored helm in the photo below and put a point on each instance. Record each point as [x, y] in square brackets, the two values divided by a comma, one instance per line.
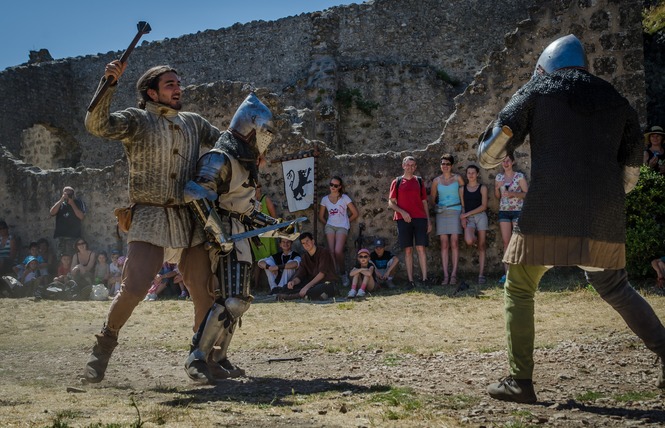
[564, 52]
[253, 118]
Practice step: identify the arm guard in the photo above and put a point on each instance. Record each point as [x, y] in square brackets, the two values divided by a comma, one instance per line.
[492, 147]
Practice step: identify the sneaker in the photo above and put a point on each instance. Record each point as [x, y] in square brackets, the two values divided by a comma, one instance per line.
[410, 285]
[346, 282]
[502, 280]
[99, 358]
[515, 390]
[151, 297]
[183, 295]
[390, 283]
[352, 293]
[361, 293]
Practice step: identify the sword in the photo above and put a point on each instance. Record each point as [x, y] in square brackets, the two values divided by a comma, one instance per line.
[260, 232]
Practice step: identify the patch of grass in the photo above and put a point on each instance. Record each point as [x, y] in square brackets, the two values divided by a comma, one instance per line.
[346, 306]
[347, 97]
[392, 360]
[636, 396]
[653, 18]
[522, 414]
[460, 401]
[590, 396]
[403, 402]
[488, 349]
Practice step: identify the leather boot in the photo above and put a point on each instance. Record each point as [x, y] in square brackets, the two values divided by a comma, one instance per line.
[99, 358]
[515, 390]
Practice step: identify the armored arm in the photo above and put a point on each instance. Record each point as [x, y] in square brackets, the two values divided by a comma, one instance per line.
[492, 145]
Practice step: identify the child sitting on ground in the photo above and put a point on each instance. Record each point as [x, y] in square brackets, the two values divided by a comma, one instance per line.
[363, 273]
[659, 266]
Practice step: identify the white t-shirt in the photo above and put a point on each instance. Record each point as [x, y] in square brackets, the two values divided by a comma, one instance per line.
[337, 215]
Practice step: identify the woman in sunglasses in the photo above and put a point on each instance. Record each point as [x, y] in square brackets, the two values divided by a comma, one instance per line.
[362, 275]
[341, 212]
[83, 263]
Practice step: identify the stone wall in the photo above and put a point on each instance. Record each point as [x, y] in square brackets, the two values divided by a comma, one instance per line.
[424, 77]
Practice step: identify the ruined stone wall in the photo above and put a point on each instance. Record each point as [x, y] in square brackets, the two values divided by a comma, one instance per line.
[414, 61]
[654, 64]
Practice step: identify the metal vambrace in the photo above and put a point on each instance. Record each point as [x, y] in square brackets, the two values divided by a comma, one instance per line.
[492, 148]
[218, 328]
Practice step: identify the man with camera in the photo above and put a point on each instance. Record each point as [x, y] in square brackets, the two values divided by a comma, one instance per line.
[69, 211]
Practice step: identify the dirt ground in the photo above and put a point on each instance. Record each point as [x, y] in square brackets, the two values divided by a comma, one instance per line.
[422, 358]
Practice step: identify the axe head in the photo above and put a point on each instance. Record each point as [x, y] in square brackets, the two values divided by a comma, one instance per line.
[143, 27]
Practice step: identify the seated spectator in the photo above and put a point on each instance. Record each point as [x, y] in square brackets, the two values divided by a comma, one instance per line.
[163, 280]
[280, 267]
[48, 255]
[115, 272]
[31, 277]
[8, 249]
[102, 269]
[385, 263]
[83, 263]
[654, 154]
[659, 266]
[180, 282]
[315, 277]
[64, 268]
[362, 275]
[33, 254]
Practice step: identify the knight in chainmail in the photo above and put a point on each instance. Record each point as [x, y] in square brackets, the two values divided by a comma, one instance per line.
[586, 150]
[162, 146]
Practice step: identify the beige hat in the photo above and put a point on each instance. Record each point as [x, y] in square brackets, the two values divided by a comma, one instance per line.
[653, 130]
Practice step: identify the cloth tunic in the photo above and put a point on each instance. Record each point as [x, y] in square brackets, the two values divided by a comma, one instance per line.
[162, 147]
[573, 218]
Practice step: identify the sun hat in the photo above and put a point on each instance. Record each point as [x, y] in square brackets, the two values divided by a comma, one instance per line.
[653, 130]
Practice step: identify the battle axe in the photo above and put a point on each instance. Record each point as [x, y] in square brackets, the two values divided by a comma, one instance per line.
[143, 28]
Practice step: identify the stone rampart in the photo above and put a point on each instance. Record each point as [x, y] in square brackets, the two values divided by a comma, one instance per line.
[423, 77]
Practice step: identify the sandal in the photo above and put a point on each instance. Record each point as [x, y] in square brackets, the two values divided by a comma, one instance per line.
[453, 280]
[445, 280]
[482, 280]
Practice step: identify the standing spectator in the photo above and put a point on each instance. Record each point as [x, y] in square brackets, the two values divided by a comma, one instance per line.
[474, 216]
[362, 275]
[340, 212]
[162, 147]
[510, 188]
[446, 198]
[315, 277]
[654, 154]
[8, 249]
[69, 212]
[408, 198]
[83, 264]
[281, 266]
[580, 122]
[102, 269]
[385, 263]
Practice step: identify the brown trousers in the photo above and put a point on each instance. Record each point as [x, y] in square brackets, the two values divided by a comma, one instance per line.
[144, 261]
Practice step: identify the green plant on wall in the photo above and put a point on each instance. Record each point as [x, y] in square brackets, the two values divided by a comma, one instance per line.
[653, 18]
[442, 75]
[645, 214]
[348, 97]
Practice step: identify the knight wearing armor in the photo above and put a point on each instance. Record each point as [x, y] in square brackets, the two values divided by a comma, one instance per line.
[221, 195]
[579, 121]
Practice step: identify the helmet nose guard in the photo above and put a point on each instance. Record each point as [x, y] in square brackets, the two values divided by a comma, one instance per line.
[253, 117]
[564, 52]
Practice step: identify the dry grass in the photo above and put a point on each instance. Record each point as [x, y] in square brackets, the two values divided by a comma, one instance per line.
[45, 344]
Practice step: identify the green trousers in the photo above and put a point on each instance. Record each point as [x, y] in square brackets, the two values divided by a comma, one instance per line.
[611, 285]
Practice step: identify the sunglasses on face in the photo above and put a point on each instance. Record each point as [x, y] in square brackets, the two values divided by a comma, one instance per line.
[336, 186]
[446, 163]
[363, 257]
[80, 243]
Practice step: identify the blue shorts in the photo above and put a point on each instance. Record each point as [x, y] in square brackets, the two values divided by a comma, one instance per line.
[408, 232]
[509, 216]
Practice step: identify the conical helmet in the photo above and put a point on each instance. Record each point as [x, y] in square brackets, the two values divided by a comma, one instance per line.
[564, 52]
[253, 118]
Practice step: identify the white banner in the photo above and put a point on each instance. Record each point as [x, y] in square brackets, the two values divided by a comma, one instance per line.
[299, 183]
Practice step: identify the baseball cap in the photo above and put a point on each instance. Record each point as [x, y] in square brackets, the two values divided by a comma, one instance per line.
[379, 243]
